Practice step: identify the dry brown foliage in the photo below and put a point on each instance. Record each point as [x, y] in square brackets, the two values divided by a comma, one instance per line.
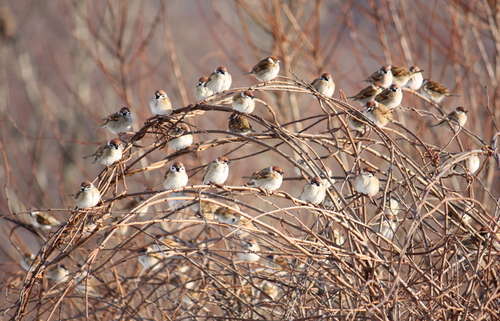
[441, 263]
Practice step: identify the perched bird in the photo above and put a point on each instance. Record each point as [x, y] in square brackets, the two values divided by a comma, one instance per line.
[366, 183]
[269, 178]
[266, 69]
[416, 81]
[270, 290]
[133, 203]
[454, 120]
[109, 153]
[338, 237]
[324, 175]
[149, 259]
[165, 246]
[29, 261]
[217, 171]
[88, 196]
[239, 124]
[176, 177]
[357, 124]
[434, 91]
[401, 75]
[119, 122]
[391, 206]
[368, 94]
[324, 85]
[390, 97]
[85, 284]
[219, 80]
[207, 210]
[202, 91]
[160, 104]
[58, 274]
[43, 221]
[275, 262]
[461, 214]
[386, 226]
[329, 202]
[225, 214]
[244, 102]
[178, 139]
[471, 165]
[383, 76]
[122, 230]
[176, 199]
[314, 192]
[242, 224]
[378, 113]
[251, 246]
[297, 169]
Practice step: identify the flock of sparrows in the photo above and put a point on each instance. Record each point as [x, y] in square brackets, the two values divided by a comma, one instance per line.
[379, 99]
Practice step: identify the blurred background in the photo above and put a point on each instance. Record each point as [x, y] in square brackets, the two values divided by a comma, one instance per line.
[65, 65]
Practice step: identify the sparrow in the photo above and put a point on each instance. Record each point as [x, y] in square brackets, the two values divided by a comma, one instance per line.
[401, 75]
[239, 124]
[84, 284]
[242, 225]
[149, 259]
[461, 214]
[387, 226]
[244, 102]
[160, 104]
[366, 183]
[390, 97]
[176, 177]
[434, 91]
[225, 214]
[207, 210]
[378, 113]
[338, 237]
[132, 204]
[109, 153]
[275, 262]
[122, 230]
[165, 246]
[327, 173]
[219, 80]
[43, 221]
[357, 124]
[391, 206]
[251, 246]
[201, 92]
[270, 290]
[88, 196]
[471, 165]
[415, 82]
[368, 94]
[454, 120]
[217, 172]
[314, 192]
[266, 69]
[58, 274]
[269, 178]
[178, 140]
[119, 122]
[328, 202]
[324, 85]
[382, 76]
[176, 199]
[297, 169]
[29, 261]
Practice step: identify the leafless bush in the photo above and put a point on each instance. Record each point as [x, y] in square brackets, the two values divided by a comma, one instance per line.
[441, 263]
